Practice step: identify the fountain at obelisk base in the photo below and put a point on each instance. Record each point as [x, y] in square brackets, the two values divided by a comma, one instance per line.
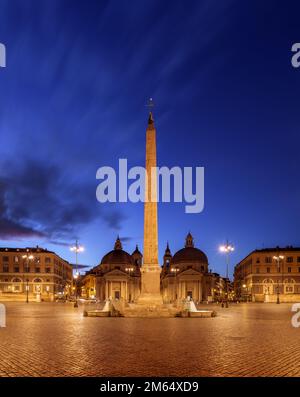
[190, 310]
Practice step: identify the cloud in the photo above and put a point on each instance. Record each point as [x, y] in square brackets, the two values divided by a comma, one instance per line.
[38, 200]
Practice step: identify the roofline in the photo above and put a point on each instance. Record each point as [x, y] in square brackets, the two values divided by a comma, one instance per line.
[33, 249]
[266, 250]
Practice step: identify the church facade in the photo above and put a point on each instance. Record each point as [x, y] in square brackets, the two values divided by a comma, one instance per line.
[118, 276]
[184, 274]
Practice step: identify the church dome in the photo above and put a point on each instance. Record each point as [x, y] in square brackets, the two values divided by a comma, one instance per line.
[189, 254]
[117, 256]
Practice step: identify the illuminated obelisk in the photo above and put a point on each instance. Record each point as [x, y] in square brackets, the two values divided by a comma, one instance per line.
[150, 288]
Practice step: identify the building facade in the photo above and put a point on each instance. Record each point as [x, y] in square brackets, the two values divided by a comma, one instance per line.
[269, 274]
[118, 276]
[186, 274]
[36, 272]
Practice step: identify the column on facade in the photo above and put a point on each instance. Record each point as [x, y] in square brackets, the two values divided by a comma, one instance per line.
[199, 291]
[106, 289]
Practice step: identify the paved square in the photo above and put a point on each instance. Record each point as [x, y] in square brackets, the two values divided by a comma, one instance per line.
[54, 339]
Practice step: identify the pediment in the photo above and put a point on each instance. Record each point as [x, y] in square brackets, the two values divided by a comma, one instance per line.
[190, 272]
[115, 273]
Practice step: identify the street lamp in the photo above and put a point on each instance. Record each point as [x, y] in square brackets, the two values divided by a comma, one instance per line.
[278, 258]
[76, 248]
[227, 249]
[28, 258]
[246, 291]
[175, 270]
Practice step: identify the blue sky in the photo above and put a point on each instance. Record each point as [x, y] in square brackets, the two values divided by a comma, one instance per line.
[72, 99]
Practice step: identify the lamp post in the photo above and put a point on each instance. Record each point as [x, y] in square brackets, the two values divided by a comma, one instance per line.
[28, 258]
[76, 248]
[175, 270]
[246, 291]
[227, 249]
[278, 259]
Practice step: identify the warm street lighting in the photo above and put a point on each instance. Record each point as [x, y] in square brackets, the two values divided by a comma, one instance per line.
[175, 270]
[76, 248]
[29, 257]
[129, 269]
[227, 249]
[278, 259]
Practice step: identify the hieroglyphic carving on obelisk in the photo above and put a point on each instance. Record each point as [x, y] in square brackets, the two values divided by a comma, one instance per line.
[150, 269]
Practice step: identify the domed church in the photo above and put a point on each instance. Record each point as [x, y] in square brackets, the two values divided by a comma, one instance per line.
[186, 274]
[118, 274]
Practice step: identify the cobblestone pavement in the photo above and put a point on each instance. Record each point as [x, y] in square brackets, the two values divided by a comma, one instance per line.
[54, 339]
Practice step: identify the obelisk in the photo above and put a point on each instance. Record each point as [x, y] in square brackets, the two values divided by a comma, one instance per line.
[150, 277]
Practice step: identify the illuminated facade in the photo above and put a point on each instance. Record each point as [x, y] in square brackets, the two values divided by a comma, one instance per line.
[36, 272]
[268, 274]
[186, 274]
[118, 276]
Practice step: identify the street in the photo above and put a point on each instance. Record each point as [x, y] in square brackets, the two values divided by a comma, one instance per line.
[54, 339]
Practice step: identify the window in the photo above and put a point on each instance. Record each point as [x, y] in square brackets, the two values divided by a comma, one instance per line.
[37, 269]
[298, 259]
[5, 269]
[298, 269]
[16, 269]
[289, 259]
[268, 259]
[289, 269]
[5, 259]
[47, 259]
[268, 270]
[16, 280]
[257, 270]
[257, 260]
[48, 270]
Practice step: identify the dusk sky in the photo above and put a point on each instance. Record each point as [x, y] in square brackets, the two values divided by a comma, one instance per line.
[73, 98]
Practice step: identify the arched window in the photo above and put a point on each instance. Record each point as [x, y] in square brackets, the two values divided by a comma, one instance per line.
[16, 280]
[289, 281]
[268, 281]
[37, 280]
